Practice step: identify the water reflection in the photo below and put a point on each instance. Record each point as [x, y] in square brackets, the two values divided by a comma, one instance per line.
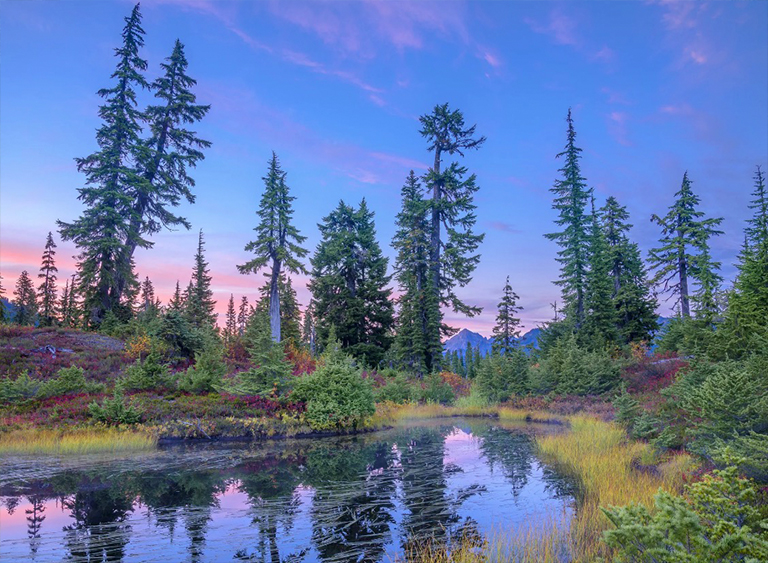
[333, 500]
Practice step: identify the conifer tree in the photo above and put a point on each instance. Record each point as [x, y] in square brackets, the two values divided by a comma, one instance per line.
[200, 303]
[230, 328]
[25, 300]
[470, 367]
[685, 237]
[571, 196]
[176, 303]
[418, 322]
[2, 302]
[167, 155]
[290, 313]
[349, 283]
[277, 242]
[452, 251]
[746, 320]
[757, 230]
[46, 291]
[101, 231]
[600, 312]
[507, 329]
[74, 314]
[63, 306]
[308, 331]
[149, 303]
[635, 305]
[242, 316]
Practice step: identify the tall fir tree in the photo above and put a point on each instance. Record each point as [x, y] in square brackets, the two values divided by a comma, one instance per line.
[308, 330]
[600, 317]
[634, 303]
[200, 303]
[63, 306]
[756, 232]
[3, 313]
[417, 342]
[507, 329]
[230, 326]
[166, 156]
[46, 291]
[75, 315]
[571, 196]
[746, 319]
[25, 300]
[111, 176]
[176, 302]
[278, 240]
[349, 284]
[685, 236]
[149, 305]
[242, 316]
[453, 244]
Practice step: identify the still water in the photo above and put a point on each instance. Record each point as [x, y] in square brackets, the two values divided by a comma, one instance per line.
[364, 498]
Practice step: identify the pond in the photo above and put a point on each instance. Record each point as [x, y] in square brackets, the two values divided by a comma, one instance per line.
[363, 498]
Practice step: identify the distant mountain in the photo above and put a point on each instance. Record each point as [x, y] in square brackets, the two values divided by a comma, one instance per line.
[458, 342]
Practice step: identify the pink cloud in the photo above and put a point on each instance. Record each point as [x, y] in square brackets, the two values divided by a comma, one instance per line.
[615, 97]
[491, 58]
[696, 56]
[504, 227]
[679, 14]
[618, 128]
[605, 55]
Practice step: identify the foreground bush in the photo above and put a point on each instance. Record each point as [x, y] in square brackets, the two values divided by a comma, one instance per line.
[717, 519]
[336, 396]
[209, 369]
[501, 377]
[114, 411]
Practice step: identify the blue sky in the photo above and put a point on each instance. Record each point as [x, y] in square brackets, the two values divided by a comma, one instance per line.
[336, 88]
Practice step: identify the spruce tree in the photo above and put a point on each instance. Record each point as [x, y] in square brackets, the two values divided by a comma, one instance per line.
[25, 300]
[757, 230]
[74, 312]
[452, 251]
[200, 303]
[290, 313]
[571, 196]
[63, 306]
[308, 331]
[176, 303]
[277, 242]
[746, 319]
[349, 284]
[242, 316]
[600, 312]
[685, 236]
[149, 304]
[2, 301]
[418, 321]
[507, 329]
[230, 327]
[166, 156]
[635, 305]
[100, 233]
[46, 291]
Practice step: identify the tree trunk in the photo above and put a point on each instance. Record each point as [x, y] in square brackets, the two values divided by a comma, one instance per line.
[683, 269]
[434, 253]
[274, 301]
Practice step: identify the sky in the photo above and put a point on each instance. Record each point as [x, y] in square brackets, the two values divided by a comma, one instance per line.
[336, 90]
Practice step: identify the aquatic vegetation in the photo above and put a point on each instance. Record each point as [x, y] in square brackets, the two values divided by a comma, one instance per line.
[77, 441]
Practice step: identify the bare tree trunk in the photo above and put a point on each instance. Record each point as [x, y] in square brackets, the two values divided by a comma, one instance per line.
[274, 301]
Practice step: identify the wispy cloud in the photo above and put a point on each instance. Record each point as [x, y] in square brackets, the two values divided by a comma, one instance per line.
[504, 227]
[618, 127]
[560, 27]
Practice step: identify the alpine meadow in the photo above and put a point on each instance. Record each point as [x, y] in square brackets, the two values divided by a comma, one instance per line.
[384, 280]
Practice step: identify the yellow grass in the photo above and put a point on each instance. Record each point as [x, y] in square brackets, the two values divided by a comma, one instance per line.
[78, 441]
[599, 455]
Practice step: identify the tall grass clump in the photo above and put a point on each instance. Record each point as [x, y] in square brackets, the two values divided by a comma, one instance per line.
[78, 441]
[605, 463]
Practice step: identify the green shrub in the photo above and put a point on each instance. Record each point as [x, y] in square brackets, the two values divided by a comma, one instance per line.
[69, 381]
[180, 335]
[626, 408]
[397, 390]
[717, 519]
[336, 396]
[146, 374]
[568, 368]
[114, 411]
[207, 373]
[646, 426]
[473, 400]
[19, 389]
[500, 377]
[436, 390]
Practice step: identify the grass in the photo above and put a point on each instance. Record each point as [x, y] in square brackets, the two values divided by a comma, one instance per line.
[76, 441]
[599, 455]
